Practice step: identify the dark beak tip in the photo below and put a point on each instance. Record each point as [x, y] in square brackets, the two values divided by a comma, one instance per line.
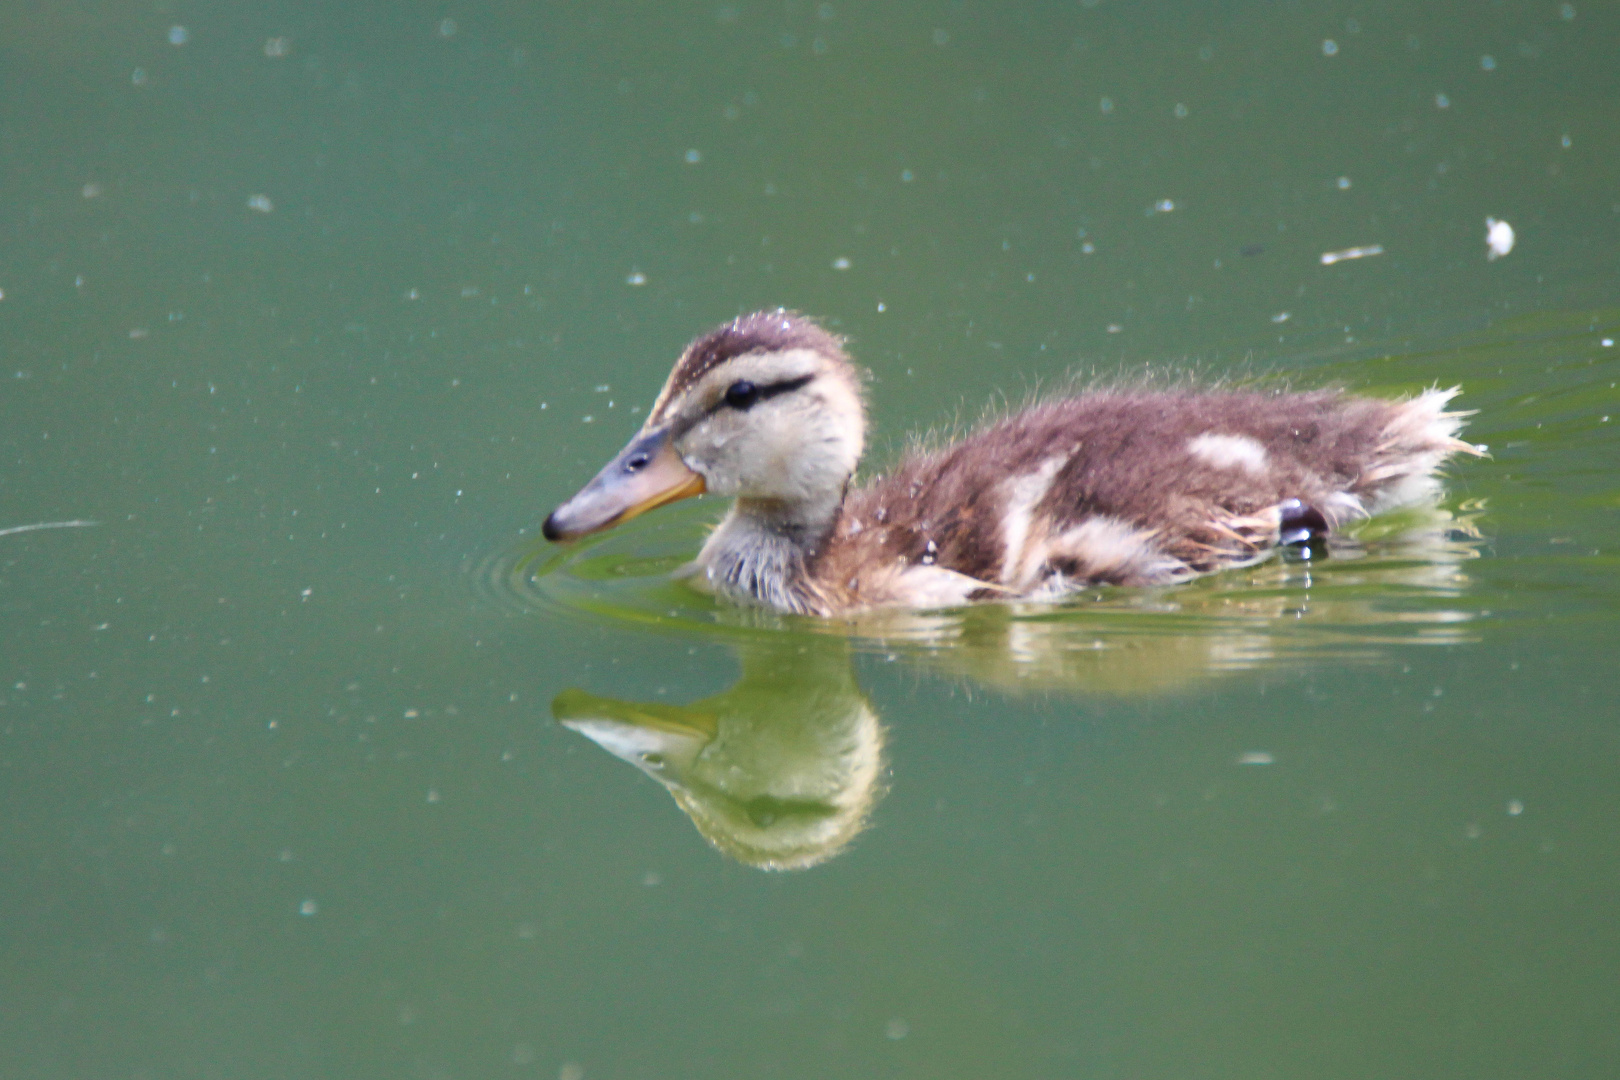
[550, 530]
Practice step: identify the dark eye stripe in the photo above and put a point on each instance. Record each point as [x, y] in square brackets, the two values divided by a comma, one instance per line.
[764, 393]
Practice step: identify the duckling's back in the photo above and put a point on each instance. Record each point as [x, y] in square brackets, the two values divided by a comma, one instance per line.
[1129, 488]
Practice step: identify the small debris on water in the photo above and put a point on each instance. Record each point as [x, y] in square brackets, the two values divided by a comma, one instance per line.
[841, 263]
[693, 157]
[178, 35]
[1163, 206]
[277, 47]
[636, 277]
[1498, 238]
[1515, 807]
[260, 203]
[1331, 257]
[1282, 317]
[308, 908]
[1330, 47]
[1441, 101]
[1343, 183]
[1256, 757]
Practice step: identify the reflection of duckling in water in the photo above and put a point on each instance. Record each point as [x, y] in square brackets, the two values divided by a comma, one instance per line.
[1124, 487]
[778, 772]
[782, 771]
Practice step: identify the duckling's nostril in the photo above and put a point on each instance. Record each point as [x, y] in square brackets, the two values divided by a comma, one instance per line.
[637, 463]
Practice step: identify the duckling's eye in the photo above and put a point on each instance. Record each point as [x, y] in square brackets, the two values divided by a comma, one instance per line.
[742, 394]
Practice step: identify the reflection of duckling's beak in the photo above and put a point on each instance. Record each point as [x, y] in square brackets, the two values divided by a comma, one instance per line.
[647, 474]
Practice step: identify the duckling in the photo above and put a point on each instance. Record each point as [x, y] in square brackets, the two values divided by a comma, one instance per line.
[1132, 487]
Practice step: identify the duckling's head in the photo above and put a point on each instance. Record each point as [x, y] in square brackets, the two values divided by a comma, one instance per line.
[766, 408]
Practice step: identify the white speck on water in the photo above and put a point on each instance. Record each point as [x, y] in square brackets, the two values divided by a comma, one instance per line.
[413, 294]
[1180, 111]
[1498, 238]
[1163, 206]
[587, 419]
[602, 388]
[1343, 183]
[93, 190]
[1282, 317]
[882, 307]
[1115, 328]
[447, 28]
[1607, 343]
[179, 35]
[636, 277]
[1566, 142]
[1441, 101]
[1330, 47]
[138, 77]
[1515, 807]
[261, 203]
[308, 908]
[1256, 757]
[138, 332]
[1331, 257]
[1087, 248]
[1487, 63]
[841, 263]
[693, 157]
[896, 1029]
[412, 714]
[307, 593]
[433, 795]
[277, 47]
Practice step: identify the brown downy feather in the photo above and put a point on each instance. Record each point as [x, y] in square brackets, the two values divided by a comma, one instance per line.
[1126, 488]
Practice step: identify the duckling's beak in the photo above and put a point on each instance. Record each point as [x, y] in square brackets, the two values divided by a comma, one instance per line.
[647, 474]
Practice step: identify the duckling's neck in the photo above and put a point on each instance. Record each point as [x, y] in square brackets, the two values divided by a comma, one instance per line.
[764, 549]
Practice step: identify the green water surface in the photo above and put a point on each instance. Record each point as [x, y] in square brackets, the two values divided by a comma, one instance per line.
[316, 763]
